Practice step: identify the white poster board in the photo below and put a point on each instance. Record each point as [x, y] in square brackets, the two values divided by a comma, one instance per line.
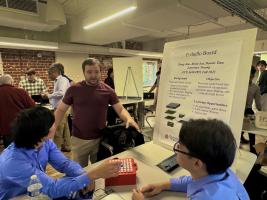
[204, 78]
[72, 63]
[128, 77]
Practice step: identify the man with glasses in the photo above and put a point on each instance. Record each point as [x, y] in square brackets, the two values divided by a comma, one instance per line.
[32, 84]
[206, 148]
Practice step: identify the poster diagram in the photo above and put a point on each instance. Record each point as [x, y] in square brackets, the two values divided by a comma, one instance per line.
[198, 81]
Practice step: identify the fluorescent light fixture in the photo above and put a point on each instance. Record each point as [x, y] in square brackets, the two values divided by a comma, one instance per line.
[130, 52]
[29, 44]
[150, 55]
[106, 19]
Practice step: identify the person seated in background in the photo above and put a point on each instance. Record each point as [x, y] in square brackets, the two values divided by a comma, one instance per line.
[30, 153]
[12, 101]
[206, 148]
[253, 94]
[32, 84]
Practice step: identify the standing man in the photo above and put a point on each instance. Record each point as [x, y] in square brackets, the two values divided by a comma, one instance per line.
[61, 84]
[90, 99]
[32, 84]
[261, 65]
[12, 101]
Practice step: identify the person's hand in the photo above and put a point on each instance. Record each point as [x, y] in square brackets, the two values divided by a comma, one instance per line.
[44, 95]
[137, 195]
[152, 189]
[107, 169]
[131, 122]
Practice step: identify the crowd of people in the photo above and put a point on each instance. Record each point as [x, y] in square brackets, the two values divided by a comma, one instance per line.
[35, 136]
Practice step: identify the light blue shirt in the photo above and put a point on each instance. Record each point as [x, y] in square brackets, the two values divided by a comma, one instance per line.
[61, 84]
[213, 187]
[17, 165]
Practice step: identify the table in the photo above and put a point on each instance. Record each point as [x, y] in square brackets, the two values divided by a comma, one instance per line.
[148, 155]
[251, 128]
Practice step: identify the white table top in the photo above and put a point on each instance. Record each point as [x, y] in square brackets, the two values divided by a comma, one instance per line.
[257, 131]
[147, 156]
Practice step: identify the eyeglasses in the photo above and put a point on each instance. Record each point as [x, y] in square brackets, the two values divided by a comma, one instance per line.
[176, 149]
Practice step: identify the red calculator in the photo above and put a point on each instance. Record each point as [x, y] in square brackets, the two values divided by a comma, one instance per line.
[127, 173]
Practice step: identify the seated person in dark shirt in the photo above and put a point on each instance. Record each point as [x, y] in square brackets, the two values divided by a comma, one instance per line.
[30, 153]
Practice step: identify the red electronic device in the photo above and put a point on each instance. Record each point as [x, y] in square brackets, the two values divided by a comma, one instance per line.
[127, 173]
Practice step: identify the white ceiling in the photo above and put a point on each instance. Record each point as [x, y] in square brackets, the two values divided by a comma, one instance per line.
[152, 20]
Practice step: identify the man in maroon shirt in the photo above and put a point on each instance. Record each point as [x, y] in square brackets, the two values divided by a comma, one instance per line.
[90, 99]
[12, 101]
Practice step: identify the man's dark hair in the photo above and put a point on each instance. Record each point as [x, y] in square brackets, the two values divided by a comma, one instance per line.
[90, 61]
[252, 70]
[31, 125]
[262, 62]
[60, 67]
[54, 68]
[211, 141]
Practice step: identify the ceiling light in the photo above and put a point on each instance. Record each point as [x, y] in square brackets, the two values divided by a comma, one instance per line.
[106, 19]
[150, 55]
[29, 44]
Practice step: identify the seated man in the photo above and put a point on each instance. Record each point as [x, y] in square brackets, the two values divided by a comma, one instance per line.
[30, 153]
[206, 148]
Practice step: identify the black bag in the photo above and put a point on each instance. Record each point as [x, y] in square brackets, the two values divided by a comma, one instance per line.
[120, 139]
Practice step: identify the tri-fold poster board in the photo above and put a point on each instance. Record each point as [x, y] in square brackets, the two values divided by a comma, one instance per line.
[204, 78]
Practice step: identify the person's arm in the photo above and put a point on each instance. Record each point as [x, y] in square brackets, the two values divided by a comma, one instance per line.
[63, 85]
[60, 111]
[154, 189]
[28, 101]
[180, 184]
[43, 87]
[125, 116]
[257, 99]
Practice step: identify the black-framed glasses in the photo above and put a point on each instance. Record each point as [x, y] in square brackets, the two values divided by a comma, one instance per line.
[176, 149]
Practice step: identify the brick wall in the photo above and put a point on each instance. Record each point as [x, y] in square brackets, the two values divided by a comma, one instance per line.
[16, 62]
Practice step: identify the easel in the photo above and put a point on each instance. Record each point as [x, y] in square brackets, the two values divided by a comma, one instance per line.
[129, 73]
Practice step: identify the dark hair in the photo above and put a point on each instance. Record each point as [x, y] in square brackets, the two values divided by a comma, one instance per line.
[211, 141]
[31, 125]
[110, 70]
[60, 67]
[252, 70]
[53, 68]
[90, 61]
[261, 62]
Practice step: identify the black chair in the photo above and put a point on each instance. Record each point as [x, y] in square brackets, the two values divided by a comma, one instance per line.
[117, 139]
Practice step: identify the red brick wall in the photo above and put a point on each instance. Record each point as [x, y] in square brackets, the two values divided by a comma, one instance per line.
[16, 62]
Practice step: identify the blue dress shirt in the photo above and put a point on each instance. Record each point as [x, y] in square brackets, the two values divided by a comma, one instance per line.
[17, 165]
[213, 187]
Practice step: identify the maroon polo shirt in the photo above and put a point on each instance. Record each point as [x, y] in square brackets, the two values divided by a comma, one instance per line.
[90, 105]
[12, 101]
